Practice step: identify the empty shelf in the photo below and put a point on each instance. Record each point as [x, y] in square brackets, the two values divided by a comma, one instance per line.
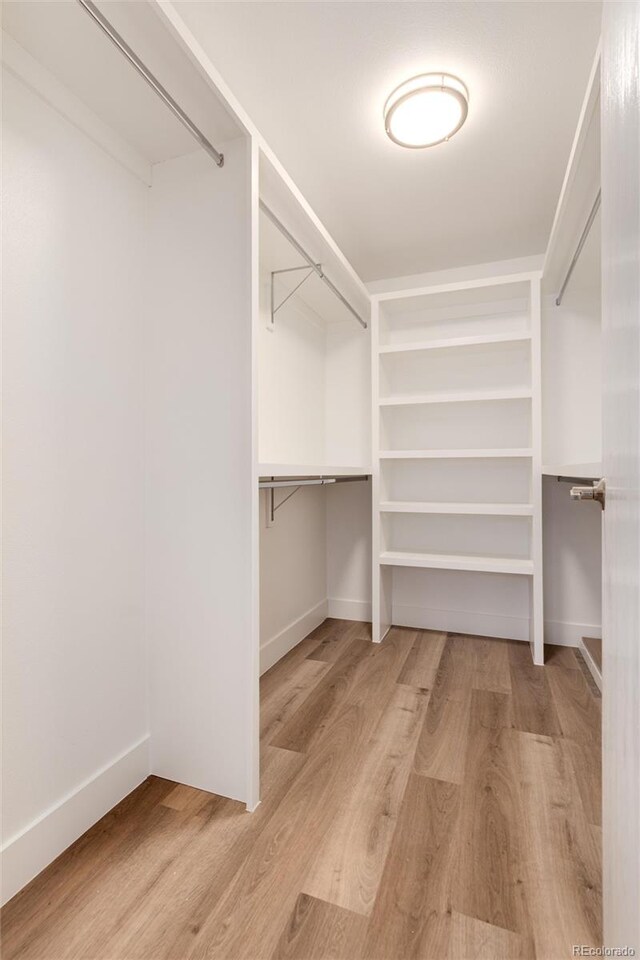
[397, 558]
[591, 471]
[522, 452]
[466, 397]
[475, 509]
[310, 470]
[453, 342]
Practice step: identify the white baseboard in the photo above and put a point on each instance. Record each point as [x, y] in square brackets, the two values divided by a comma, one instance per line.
[350, 609]
[274, 649]
[562, 633]
[567, 634]
[460, 621]
[592, 666]
[27, 853]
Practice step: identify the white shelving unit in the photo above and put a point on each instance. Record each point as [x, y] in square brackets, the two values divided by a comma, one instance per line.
[457, 447]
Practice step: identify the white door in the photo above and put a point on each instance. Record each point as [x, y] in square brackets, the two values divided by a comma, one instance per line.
[621, 451]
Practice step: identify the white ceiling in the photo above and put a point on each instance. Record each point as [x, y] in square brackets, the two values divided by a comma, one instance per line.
[314, 77]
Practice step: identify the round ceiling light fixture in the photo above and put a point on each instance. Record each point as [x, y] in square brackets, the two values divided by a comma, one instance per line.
[426, 110]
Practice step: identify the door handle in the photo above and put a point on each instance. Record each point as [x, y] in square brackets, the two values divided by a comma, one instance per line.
[597, 491]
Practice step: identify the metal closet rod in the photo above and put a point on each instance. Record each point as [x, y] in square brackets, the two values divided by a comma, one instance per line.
[581, 243]
[314, 266]
[153, 82]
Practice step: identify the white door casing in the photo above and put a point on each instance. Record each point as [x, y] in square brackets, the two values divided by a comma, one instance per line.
[621, 458]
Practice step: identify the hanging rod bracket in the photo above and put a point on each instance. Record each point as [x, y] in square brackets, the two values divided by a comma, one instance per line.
[314, 266]
[272, 483]
[310, 270]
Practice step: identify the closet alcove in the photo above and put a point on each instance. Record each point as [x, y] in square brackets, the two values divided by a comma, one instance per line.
[313, 377]
[129, 487]
[572, 396]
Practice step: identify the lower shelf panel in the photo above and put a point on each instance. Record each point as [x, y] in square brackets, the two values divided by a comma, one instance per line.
[442, 561]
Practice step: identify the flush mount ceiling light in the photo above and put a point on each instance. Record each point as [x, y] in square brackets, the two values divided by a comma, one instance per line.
[426, 110]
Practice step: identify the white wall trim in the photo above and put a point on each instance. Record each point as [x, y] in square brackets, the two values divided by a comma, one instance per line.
[591, 664]
[567, 634]
[274, 649]
[461, 621]
[349, 609]
[28, 852]
[489, 625]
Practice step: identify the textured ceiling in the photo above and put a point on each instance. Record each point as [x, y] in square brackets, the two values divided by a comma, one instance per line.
[314, 77]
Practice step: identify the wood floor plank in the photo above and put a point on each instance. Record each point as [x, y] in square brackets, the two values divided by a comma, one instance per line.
[307, 723]
[33, 916]
[502, 862]
[492, 664]
[557, 656]
[149, 921]
[472, 939]
[83, 930]
[411, 916]
[561, 857]
[272, 679]
[247, 921]
[455, 673]
[578, 711]
[281, 700]
[334, 635]
[421, 665]
[583, 760]
[533, 707]
[351, 859]
[320, 931]
[488, 876]
[442, 746]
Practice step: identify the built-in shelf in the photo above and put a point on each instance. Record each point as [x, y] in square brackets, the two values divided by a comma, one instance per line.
[476, 396]
[310, 470]
[506, 452]
[443, 561]
[474, 509]
[588, 471]
[453, 342]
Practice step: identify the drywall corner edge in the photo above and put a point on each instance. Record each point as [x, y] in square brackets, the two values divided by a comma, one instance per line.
[34, 848]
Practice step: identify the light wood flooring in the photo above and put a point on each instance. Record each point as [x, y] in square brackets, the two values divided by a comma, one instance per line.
[434, 796]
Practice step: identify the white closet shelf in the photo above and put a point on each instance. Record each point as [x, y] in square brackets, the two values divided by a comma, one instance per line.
[310, 470]
[591, 471]
[462, 397]
[453, 342]
[475, 509]
[506, 452]
[444, 561]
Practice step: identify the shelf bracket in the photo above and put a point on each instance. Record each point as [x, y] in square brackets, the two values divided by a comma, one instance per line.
[273, 506]
[276, 273]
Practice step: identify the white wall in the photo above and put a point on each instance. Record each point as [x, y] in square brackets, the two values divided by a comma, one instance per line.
[293, 570]
[75, 705]
[200, 484]
[349, 550]
[291, 384]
